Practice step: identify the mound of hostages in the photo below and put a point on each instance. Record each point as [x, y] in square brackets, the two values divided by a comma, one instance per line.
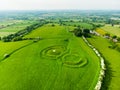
[67, 58]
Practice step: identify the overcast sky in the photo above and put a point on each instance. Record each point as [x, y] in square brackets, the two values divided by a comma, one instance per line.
[59, 4]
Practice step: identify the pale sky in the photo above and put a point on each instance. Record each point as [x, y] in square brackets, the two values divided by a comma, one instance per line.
[59, 4]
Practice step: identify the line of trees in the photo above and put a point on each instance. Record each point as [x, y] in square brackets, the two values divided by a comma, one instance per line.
[18, 36]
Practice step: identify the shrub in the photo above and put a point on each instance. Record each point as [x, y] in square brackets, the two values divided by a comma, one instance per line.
[18, 38]
[53, 25]
[6, 55]
[114, 37]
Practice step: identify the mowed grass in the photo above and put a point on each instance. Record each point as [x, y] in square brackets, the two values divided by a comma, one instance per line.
[48, 31]
[6, 48]
[15, 27]
[113, 30]
[28, 69]
[112, 58]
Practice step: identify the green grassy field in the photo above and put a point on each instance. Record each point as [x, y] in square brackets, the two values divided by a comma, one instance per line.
[9, 22]
[15, 27]
[112, 58]
[101, 31]
[48, 64]
[115, 30]
[81, 24]
[6, 48]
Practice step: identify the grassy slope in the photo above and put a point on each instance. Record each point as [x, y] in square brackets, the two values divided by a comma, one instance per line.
[112, 30]
[6, 48]
[27, 70]
[112, 57]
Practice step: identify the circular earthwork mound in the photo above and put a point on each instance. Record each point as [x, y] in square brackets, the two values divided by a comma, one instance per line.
[74, 60]
[53, 52]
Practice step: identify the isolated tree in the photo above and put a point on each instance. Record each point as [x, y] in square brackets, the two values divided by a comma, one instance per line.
[112, 25]
[53, 25]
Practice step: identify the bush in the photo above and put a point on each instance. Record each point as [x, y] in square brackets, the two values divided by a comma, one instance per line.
[113, 46]
[114, 37]
[18, 38]
[5, 39]
[6, 55]
[118, 49]
[53, 25]
[118, 39]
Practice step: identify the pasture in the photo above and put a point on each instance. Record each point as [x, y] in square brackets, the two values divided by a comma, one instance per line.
[80, 24]
[59, 61]
[113, 30]
[15, 26]
[112, 58]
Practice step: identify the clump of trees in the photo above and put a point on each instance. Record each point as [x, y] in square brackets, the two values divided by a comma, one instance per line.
[18, 36]
[114, 43]
[78, 32]
[81, 32]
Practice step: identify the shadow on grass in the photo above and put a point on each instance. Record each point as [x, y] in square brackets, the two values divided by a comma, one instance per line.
[108, 76]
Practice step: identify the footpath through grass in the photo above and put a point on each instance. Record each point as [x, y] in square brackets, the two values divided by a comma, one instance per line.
[112, 57]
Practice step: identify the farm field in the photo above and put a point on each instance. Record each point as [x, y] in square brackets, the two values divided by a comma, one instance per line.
[81, 24]
[113, 30]
[112, 58]
[8, 22]
[101, 31]
[59, 61]
[59, 50]
[14, 26]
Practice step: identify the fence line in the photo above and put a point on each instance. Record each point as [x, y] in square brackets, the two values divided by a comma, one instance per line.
[102, 71]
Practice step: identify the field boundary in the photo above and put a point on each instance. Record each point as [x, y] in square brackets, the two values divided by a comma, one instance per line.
[102, 64]
[9, 54]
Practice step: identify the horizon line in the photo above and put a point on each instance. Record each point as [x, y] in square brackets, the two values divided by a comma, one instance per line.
[59, 9]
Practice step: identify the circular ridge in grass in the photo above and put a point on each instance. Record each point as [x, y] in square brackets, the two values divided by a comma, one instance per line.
[74, 60]
[53, 52]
